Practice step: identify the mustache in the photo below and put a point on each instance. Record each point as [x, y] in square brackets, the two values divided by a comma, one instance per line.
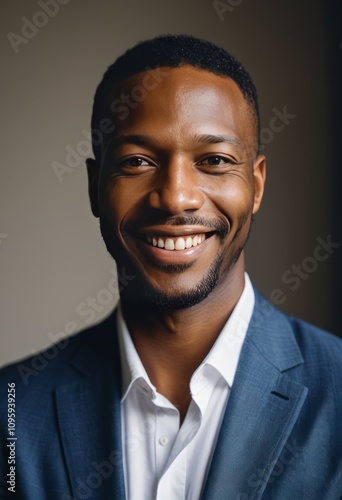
[218, 225]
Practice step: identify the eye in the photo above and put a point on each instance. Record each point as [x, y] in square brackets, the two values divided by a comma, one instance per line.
[218, 164]
[218, 161]
[215, 160]
[135, 161]
[133, 165]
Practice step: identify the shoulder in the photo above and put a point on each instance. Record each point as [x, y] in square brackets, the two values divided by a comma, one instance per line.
[315, 341]
[307, 358]
[55, 365]
[266, 313]
[314, 355]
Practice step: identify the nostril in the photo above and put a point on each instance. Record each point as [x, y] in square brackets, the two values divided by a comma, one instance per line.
[176, 200]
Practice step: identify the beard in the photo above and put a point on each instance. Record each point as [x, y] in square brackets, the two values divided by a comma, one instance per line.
[139, 293]
[143, 293]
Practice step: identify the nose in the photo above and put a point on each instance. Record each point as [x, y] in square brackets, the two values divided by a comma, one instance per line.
[177, 188]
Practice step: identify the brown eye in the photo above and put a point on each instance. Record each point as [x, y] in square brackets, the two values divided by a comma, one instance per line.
[133, 165]
[215, 160]
[134, 162]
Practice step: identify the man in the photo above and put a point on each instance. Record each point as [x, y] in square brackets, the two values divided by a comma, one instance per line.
[195, 387]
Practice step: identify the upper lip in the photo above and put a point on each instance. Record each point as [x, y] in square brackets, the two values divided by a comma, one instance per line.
[174, 231]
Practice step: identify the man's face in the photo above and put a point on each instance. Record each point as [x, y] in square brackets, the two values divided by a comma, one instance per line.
[178, 184]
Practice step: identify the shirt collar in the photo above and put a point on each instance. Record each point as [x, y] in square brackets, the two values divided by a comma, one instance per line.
[223, 356]
[131, 365]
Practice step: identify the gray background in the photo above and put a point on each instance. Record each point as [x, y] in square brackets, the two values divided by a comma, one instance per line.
[51, 252]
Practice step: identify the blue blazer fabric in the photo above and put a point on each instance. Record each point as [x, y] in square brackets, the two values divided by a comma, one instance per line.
[280, 438]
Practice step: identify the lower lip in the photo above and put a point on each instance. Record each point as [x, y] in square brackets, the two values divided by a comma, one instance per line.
[185, 256]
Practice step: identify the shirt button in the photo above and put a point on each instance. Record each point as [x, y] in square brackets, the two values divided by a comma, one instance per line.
[163, 440]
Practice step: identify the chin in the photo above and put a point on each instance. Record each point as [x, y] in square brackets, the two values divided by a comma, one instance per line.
[142, 293]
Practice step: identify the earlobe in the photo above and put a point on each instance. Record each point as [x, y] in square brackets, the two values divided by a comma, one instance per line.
[93, 178]
[259, 181]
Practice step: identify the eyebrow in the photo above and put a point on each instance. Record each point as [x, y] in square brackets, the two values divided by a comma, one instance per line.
[144, 140]
[217, 139]
[121, 140]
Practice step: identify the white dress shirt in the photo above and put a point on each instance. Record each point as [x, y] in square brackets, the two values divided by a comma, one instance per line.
[161, 460]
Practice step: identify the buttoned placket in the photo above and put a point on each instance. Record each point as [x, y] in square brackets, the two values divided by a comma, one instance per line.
[169, 483]
[167, 427]
[171, 456]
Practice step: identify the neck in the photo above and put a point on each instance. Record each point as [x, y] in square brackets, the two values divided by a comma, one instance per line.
[172, 344]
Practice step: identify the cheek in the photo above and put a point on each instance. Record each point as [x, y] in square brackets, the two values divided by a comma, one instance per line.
[122, 200]
[113, 204]
[234, 198]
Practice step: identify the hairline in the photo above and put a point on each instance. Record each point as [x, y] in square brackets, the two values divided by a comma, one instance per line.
[216, 60]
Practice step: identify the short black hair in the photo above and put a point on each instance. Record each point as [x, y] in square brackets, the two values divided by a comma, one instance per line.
[174, 51]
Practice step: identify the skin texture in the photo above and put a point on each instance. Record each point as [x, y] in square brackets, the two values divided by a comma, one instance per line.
[183, 162]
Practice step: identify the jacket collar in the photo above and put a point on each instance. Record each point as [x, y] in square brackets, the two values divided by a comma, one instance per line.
[272, 334]
[262, 410]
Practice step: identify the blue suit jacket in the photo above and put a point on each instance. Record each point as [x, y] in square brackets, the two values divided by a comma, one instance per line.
[280, 438]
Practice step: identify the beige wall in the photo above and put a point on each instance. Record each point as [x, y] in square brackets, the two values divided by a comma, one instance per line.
[52, 256]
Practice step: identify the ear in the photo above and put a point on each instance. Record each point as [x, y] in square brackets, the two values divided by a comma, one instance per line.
[259, 181]
[93, 184]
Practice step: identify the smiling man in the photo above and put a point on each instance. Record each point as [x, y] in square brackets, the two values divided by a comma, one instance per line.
[195, 387]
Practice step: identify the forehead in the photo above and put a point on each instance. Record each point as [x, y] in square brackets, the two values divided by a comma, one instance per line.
[181, 100]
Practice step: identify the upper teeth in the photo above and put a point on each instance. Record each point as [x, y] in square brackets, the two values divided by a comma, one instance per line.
[176, 243]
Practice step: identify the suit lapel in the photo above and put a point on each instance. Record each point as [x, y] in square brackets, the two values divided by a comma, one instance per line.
[262, 409]
[89, 419]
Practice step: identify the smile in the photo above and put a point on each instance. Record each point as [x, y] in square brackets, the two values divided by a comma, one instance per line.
[176, 243]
